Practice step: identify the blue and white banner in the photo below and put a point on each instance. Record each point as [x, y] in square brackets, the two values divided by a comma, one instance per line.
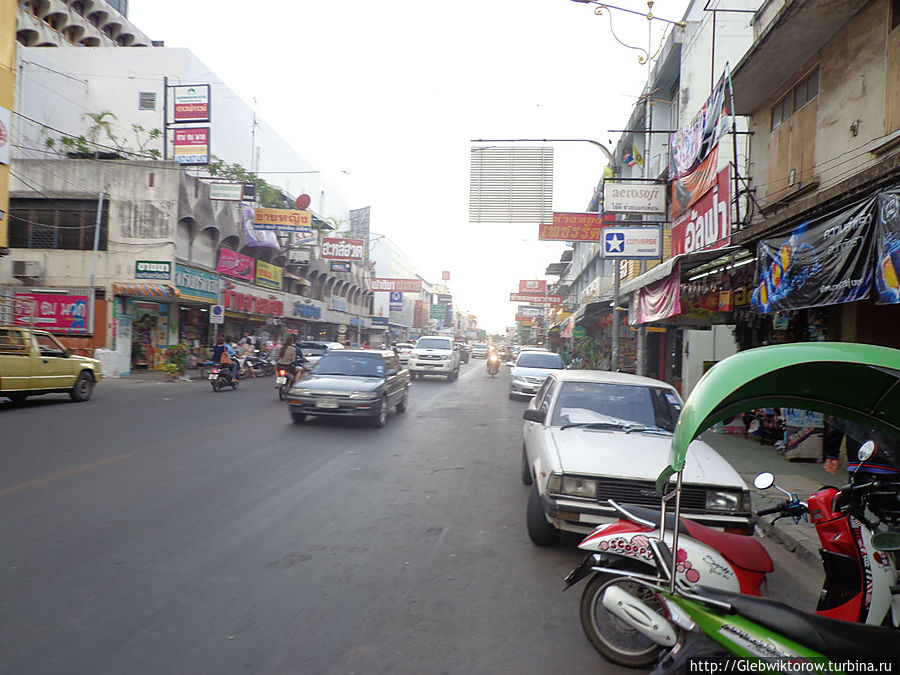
[396, 301]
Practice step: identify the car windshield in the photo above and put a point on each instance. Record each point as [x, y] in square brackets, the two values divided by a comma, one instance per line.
[358, 365]
[433, 343]
[608, 404]
[312, 348]
[545, 360]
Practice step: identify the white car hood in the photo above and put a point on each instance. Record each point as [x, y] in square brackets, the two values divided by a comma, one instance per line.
[636, 455]
[519, 371]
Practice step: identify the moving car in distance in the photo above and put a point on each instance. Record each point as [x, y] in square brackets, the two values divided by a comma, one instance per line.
[592, 435]
[314, 349]
[352, 383]
[434, 355]
[402, 349]
[479, 350]
[530, 370]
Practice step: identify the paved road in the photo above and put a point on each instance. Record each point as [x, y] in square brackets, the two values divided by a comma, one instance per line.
[162, 528]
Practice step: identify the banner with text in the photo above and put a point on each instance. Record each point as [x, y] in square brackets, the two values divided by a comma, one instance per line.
[634, 197]
[282, 220]
[535, 297]
[235, 264]
[402, 285]
[574, 227]
[268, 275]
[343, 249]
[707, 224]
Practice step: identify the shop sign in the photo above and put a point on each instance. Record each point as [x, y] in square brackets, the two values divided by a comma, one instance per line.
[528, 310]
[538, 286]
[253, 304]
[307, 310]
[341, 266]
[574, 227]
[396, 301]
[437, 311]
[268, 275]
[822, 262]
[707, 224]
[235, 264]
[535, 297]
[153, 269]
[192, 145]
[338, 305]
[298, 257]
[229, 192]
[282, 220]
[194, 284]
[379, 320]
[632, 243]
[344, 249]
[65, 312]
[403, 285]
[5, 126]
[191, 103]
[688, 189]
[634, 197]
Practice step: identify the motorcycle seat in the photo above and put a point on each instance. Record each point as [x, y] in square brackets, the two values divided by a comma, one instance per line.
[740, 549]
[838, 640]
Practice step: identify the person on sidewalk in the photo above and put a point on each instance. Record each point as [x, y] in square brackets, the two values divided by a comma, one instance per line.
[885, 461]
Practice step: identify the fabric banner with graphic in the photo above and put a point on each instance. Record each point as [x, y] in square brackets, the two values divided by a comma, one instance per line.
[657, 301]
[707, 223]
[685, 191]
[822, 262]
[689, 146]
[887, 247]
[235, 264]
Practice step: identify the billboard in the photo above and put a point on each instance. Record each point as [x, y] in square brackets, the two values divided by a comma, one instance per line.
[634, 197]
[268, 275]
[55, 312]
[343, 249]
[282, 220]
[707, 223]
[632, 243]
[235, 264]
[535, 297]
[574, 227]
[538, 286]
[191, 145]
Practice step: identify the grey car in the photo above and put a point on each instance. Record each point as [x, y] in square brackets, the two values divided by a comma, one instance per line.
[530, 370]
[352, 383]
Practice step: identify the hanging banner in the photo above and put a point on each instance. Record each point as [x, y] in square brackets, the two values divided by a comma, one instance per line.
[887, 247]
[689, 146]
[657, 301]
[235, 264]
[688, 189]
[707, 224]
[822, 262]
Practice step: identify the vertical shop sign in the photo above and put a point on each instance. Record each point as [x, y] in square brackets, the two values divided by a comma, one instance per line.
[191, 103]
[192, 145]
[706, 224]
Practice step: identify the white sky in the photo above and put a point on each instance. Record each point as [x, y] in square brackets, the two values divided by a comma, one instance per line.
[392, 91]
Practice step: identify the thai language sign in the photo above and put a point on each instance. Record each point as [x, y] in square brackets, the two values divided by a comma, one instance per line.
[229, 192]
[153, 269]
[268, 275]
[235, 264]
[402, 285]
[191, 103]
[706, 224]
[535, 297]
[194, 284]
[344, 249]
[191, 145]
[54, 312]
[530, 311]
[638, 197]
[282, 220]
[573, 227]
[533, 286]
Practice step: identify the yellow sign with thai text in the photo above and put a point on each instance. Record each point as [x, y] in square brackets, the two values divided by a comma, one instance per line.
[268, 275]
[282, 220]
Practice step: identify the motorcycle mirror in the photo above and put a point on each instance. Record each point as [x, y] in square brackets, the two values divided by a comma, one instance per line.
[764, 481]
[866, 451]
[886, 541]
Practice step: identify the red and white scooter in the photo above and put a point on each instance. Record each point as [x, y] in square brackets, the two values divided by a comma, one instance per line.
[861, 578]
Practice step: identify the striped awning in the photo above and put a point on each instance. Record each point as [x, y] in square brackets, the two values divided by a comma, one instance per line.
[145, 290]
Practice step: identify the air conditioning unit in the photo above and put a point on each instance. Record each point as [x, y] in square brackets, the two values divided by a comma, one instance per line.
[26, 269]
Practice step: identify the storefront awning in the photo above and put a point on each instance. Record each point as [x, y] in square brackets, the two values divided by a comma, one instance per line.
[689, 261]
[145, 290]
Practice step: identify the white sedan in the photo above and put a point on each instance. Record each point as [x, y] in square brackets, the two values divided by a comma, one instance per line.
[592, 435]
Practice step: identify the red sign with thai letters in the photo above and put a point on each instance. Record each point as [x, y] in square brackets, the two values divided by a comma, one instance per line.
[575, 227]
[535, 297]
[707, 224]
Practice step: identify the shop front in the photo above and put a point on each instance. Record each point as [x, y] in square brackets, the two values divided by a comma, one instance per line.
[248, 309]
[305, 317]
[145, 324]
[198, 290]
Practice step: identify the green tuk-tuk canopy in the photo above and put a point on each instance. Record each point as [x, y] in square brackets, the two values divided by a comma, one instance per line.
[857, 382]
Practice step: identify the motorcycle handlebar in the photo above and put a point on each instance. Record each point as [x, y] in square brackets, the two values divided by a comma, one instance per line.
[775, 509]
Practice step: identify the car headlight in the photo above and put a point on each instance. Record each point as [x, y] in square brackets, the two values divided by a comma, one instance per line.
[300, 391]
[721, 500]
[362, 394]
[554, 484]
[579, 487]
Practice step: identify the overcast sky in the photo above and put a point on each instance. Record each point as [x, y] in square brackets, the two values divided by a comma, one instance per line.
[392, 91]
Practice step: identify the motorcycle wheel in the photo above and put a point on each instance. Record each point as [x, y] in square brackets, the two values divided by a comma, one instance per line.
[215, 386]
[617, 641]
[205, 371]
[282, 392]
[234, 384]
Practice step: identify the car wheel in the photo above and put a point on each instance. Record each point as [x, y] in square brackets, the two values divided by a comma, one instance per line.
[401, 407]
[526, 470]
[298, 418]
[380, 419]
[612, 637]
[540, 531]
[84, 385]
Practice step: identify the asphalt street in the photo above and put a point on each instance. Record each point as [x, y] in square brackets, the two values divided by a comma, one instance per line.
[164, 528]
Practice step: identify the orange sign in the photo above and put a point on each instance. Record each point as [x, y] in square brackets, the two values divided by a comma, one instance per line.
[574, 227]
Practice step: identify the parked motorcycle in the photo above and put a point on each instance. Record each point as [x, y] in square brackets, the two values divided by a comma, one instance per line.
[220, 377]
[493, 364]
[699, 621]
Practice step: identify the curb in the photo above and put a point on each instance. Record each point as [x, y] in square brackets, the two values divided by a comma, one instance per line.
[800, 547]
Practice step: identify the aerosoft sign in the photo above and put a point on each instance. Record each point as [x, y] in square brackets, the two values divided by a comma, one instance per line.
[634, 197]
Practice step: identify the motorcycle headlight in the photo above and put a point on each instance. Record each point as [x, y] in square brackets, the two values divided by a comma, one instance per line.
[721, 500]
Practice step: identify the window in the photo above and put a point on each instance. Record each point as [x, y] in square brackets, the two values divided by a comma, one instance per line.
[56, 223]
[147, 100]
[796, 98]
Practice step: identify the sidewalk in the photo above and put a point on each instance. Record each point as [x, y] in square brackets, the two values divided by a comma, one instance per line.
[750, 457]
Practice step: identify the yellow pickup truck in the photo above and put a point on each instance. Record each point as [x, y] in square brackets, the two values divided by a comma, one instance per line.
[33, 362]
